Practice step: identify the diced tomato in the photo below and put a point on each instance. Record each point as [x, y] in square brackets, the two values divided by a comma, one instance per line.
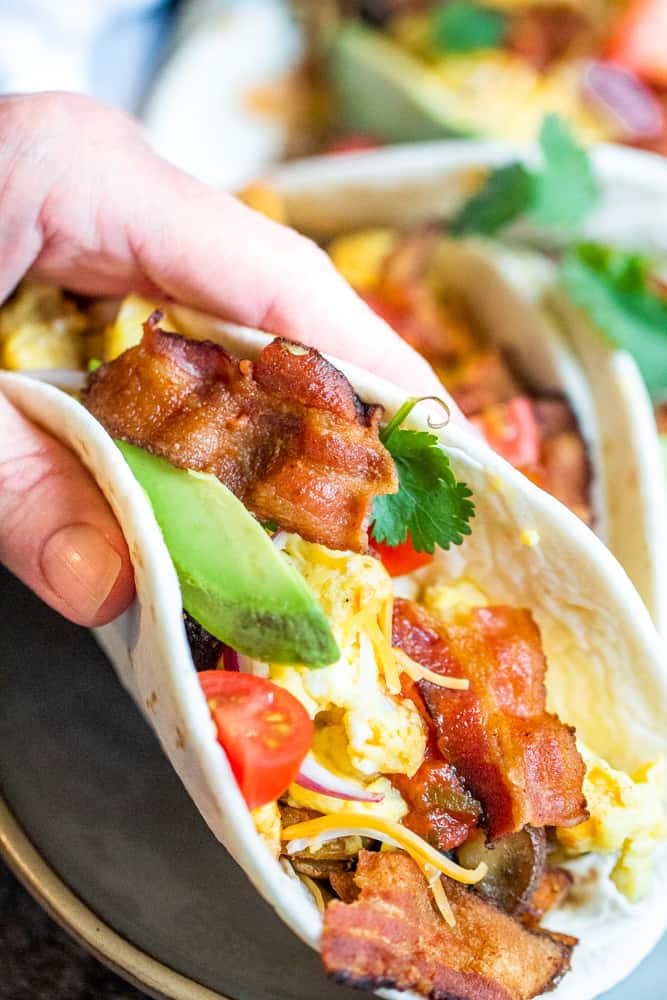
[639, 40]
[262, 728]
[353, 142]
[389, 313]
[511, 430]
[399, 559]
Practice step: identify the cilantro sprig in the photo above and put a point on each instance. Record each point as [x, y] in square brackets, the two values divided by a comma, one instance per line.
[618, 291]
[562, 192]
[431, 503]
[464, 26]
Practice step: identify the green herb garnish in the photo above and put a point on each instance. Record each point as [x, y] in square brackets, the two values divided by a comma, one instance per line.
[508, 192]
[565, 189]
[431, 503]
[462, 26]
[615, 288]
[562, 192]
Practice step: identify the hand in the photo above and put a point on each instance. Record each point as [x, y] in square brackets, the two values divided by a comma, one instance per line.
[86, 204]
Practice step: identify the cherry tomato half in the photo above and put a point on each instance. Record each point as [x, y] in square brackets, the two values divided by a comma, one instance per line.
[262, 728]
[399, 559]
[639, 42]
[511, 430]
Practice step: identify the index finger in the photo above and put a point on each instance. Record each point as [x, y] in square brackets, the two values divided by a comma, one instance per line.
[210, 251]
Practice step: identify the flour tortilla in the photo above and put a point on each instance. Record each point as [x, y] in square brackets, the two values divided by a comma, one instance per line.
[515, 296]
[599, 639]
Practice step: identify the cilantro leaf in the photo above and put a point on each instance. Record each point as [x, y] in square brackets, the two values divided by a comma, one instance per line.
[463, 26]
[614, 288]
[561, 193]
[508, 192]
[431, 504]
[565, 188]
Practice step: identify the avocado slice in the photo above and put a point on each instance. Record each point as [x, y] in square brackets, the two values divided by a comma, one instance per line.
[233, 579]
[382, 89]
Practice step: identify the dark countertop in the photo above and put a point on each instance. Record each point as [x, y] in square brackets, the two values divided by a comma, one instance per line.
[38, 961]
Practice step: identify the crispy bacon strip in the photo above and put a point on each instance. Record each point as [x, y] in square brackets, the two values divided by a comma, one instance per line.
[392, 936]
[519, 760]
[286, 433]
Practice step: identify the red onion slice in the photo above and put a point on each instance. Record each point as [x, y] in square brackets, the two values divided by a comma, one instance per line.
[316, 778]
[230, 659]
[280, 539]
[623, 99]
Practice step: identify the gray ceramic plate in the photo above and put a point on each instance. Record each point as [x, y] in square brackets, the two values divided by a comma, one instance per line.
[92, 805]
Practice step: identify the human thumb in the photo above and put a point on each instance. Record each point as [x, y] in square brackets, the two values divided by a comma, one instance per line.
[57, 532]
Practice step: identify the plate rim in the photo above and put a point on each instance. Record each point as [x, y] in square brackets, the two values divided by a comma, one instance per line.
[82, 924]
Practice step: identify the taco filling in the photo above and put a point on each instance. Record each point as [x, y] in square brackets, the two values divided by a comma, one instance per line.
[403, 277]
[414, 781]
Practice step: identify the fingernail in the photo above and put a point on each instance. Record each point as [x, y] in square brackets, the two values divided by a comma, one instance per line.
[81, 566]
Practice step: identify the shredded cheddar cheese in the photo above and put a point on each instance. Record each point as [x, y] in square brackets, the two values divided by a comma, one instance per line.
[419, 673]
[301, 836]
[314, 889]
[439, 895]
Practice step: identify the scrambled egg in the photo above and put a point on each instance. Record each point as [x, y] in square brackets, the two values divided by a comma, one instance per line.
[497, 91]
[447, 600]
[627, 815]
[362, 729]
[267, 823]
[40, 327]
[364, 732]
[360, 256]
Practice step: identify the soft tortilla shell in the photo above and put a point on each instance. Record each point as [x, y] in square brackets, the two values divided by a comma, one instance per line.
[513, 290]
[605, 657]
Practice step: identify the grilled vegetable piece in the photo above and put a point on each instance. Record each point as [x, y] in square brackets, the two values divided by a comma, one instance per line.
[550, 891]
[204, 647]
[333, 855]
[344, 885]
[319, 868]
[285, 433]
[392, 936]
[520, 761]
[515, 867]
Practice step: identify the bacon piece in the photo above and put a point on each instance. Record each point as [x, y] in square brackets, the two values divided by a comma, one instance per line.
[543, 35]
[408, 300]
[564, 467]
[392, 936]
[286, 433]
[520, 761]
[344, 885]
[484, 379]
[661, 411]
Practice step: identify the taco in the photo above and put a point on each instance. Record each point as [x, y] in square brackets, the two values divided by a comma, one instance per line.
[566, 405]
[402, 776]
[415, 70]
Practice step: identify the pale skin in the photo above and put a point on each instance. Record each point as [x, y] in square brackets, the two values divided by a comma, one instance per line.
[86, 204]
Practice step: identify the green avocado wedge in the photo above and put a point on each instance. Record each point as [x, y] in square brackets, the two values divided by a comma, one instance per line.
[382, 89]
[233, 579]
